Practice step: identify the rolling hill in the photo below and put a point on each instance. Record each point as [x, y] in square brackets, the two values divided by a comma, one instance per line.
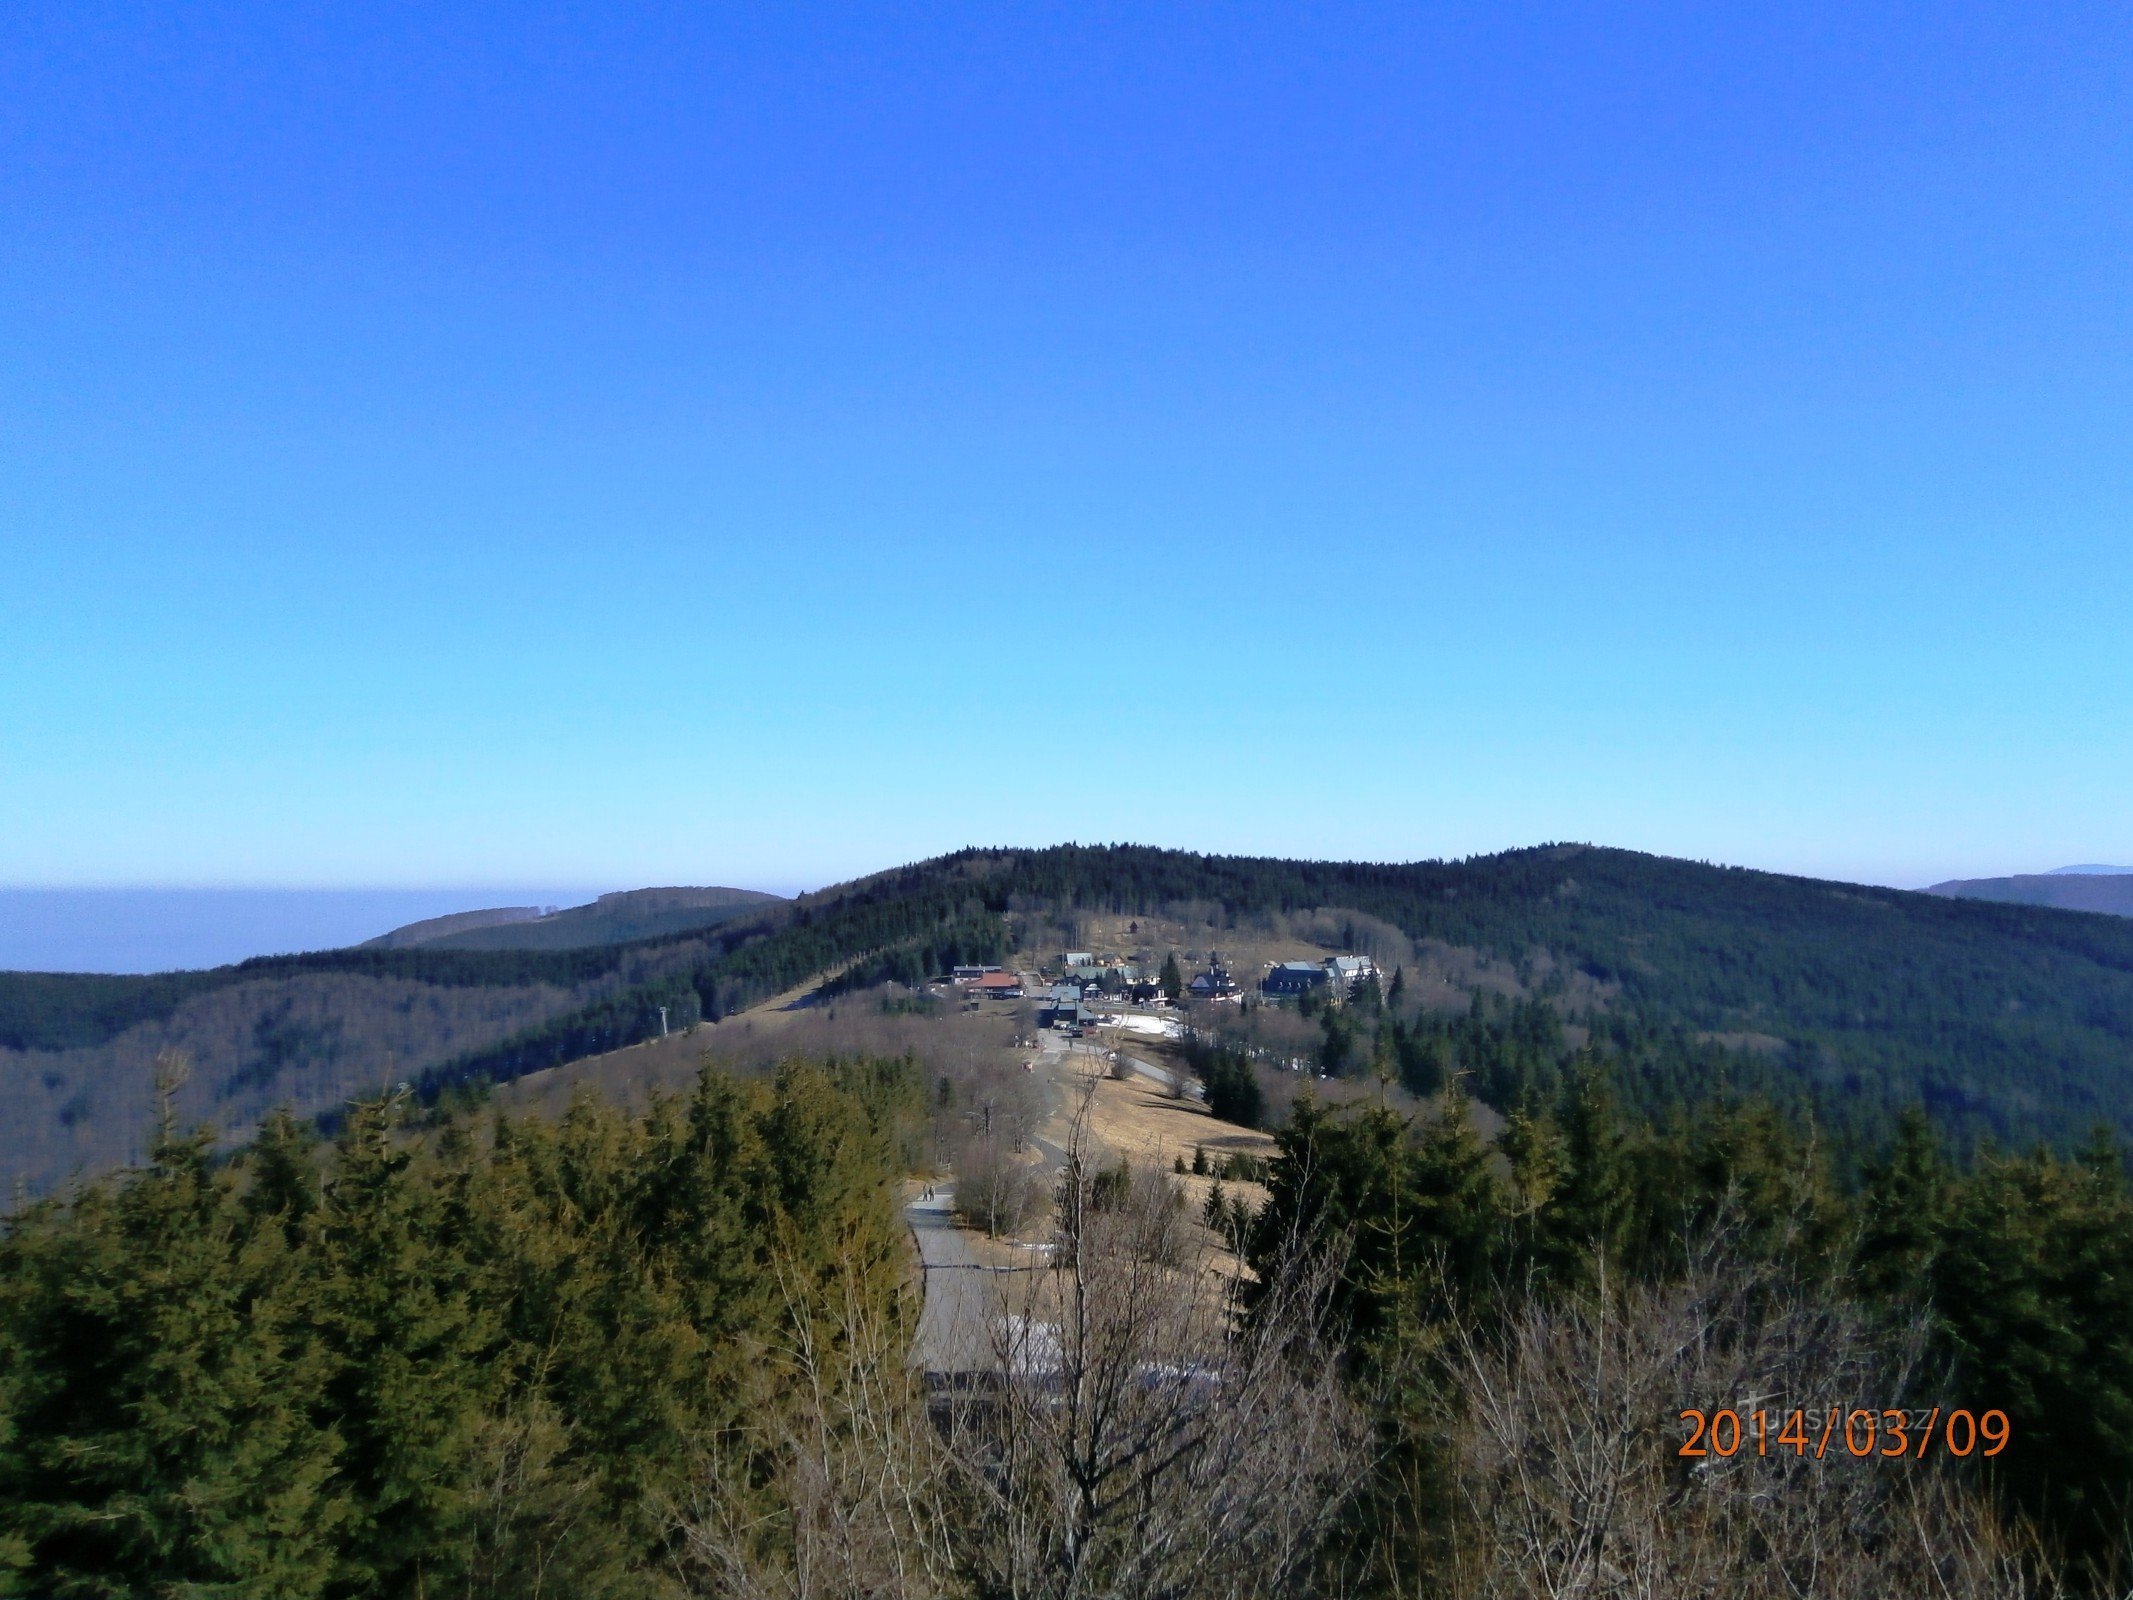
[2107, 890]
[431, 929]
[2004, 1019]
[620, 918]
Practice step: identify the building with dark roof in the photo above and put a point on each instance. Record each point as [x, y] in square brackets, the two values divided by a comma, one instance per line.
[1293, 977]
[1213, 984]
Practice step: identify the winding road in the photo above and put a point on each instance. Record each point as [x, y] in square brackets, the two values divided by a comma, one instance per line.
[964, 1297]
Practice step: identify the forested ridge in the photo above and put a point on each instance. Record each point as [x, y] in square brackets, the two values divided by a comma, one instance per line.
[907, 920]
[2010, 1021]
[514, 1358]
[318, 1029]
[56, 1010]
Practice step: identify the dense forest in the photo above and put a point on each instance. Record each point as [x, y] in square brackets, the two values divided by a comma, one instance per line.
[316, 1030]
[2014, 1277]
[499, 1363]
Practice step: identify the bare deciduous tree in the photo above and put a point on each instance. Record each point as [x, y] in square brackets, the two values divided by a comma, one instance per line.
[1570, 1481]
[535, 1531]
[1131, 1436]
[860, 1492]
[996, 1189]
[1140, 1438]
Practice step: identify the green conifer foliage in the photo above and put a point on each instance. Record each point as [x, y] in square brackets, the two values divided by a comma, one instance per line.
[1902, 1212]
[489, 1362]
[410, 1344]
[2032, 1280]
[1588, 1215]
[2023, 1266]
[163, 1381]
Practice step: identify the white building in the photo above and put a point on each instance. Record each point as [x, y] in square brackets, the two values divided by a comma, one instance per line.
[1346, 973]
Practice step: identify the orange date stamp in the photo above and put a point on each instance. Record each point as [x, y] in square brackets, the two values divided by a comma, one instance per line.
[1888, 1434]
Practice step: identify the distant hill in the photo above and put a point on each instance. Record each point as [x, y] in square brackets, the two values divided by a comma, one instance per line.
[2106, 889]
[431, 929]
[2005, 1018]
[612, 919]
[148, 929]
[617, 918]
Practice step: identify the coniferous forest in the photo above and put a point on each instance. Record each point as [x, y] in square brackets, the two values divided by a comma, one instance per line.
[2007, 1285]
[495, 1362]
[576, 577]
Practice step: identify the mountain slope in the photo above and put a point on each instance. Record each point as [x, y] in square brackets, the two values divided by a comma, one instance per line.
[79, 1054]
[2108, 892]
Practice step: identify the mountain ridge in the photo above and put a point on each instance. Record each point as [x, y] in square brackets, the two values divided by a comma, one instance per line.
[2108, 892]
[2005, 1019]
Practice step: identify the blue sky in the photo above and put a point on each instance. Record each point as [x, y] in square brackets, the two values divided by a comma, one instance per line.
[616, 445]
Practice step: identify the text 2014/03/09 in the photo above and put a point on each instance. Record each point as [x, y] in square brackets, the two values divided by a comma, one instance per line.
[1887, 1434]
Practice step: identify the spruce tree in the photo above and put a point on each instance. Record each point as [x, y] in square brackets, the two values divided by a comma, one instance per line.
[1903, 1210]
[1170, 980]
[166, 1436]
[2032, 1279]
[1589, 1210]
[413, 1372]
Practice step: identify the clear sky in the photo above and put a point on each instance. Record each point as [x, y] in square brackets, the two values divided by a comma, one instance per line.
[611, 445]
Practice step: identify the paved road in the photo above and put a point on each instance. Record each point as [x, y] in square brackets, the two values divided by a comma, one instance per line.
[962, 1294]
[1166, 1080]
[1056, 1048]
[964, 1298]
